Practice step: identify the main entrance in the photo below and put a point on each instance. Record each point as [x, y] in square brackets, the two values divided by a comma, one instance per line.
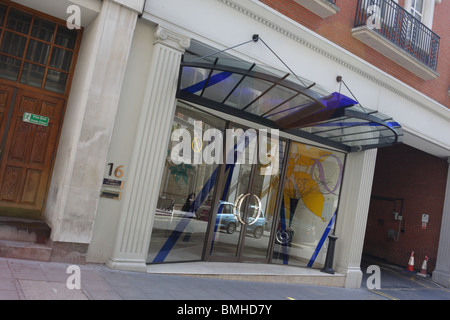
[235, 193]
[37, 60]
[220, 199]
[248, 198]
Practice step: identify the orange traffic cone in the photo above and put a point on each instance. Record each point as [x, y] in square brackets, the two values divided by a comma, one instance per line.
[410, 267]
[423, 271]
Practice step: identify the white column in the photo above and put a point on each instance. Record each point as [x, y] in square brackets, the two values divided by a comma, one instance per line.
[352, 215]
[89, 120]
[441, 273]
[149, 152]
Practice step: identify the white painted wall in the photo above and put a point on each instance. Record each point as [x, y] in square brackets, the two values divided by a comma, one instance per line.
[75, 109]
[124, 134]
[89, 120]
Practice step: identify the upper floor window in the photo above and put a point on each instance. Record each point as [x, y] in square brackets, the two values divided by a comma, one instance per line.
[422, 10]
[417, 9]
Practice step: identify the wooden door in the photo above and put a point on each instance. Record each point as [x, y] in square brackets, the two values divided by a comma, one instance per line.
[28, 150]
[37, 60]
[6, 98]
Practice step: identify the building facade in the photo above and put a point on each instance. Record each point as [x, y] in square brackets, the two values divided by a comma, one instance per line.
[151, 132]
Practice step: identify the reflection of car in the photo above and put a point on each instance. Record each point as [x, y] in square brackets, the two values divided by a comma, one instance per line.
[227, 221]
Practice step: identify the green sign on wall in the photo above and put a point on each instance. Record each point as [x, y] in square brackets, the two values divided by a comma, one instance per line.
[35, 119]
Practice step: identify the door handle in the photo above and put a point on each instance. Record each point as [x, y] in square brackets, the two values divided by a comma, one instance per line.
[237, 207]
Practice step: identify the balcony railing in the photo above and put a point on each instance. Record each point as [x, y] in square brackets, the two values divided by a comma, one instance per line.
[394, 23]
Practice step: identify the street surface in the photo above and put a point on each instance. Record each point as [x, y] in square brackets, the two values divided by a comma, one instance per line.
[398, 284]
[31, 280]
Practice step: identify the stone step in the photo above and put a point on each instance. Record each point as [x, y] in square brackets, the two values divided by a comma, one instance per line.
[27, 230]
[250, 272]
[25, 250]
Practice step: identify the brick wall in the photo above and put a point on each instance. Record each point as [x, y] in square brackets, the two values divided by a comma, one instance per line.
[337, 29]
[419, 178]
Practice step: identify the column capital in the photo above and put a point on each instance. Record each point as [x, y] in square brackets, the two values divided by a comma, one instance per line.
[172, 39]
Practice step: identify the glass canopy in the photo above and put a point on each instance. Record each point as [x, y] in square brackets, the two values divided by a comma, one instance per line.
[283, 101]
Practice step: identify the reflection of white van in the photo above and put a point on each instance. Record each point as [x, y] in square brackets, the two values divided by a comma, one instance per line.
[227, 221]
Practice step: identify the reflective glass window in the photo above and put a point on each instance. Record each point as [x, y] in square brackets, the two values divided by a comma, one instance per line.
[32, 74]
[13, 44]
[2, 13]
[9, 68]
[43, 30]
[56, 81]
[310, 200]
[19, 21]
[66, 37]
[61, 59]
[186, 190]
[38, 51]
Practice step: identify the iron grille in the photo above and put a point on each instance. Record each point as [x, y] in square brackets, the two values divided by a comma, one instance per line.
[401, 28]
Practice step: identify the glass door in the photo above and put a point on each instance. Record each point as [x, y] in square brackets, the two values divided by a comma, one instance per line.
[247, 196]
[187, 188]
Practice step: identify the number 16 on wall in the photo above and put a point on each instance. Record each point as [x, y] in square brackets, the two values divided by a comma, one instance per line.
[118, 171]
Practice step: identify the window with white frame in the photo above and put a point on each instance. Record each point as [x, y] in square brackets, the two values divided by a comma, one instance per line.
[417, 9]
[422, 10]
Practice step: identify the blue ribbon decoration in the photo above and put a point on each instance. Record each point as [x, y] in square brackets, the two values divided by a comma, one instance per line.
[322, 240]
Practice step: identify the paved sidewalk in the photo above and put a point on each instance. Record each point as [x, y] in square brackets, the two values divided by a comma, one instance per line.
[30, 280]
[33, 280]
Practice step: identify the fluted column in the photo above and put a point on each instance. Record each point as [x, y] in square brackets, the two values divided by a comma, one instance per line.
[352, 215]
[149, 151]
[441, 273]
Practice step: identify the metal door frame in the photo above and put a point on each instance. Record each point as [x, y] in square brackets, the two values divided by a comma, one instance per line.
[239, 257]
